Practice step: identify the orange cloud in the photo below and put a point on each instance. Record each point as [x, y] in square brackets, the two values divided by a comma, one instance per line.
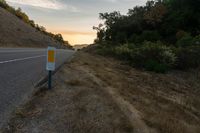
[78, 37]
[77, 33]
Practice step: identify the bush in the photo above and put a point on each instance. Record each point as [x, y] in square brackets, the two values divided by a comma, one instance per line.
[120, 37]
[196, 40]
[104, 50]
[152, 65]
[21, 15]
[153, 56]
[180, 34]
[185, 41]
[3, 4]
[188, 57]
[135, 38]
[150, 36]
[123, 52]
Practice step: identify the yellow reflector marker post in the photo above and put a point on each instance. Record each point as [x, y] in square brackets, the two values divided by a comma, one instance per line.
[51, 58]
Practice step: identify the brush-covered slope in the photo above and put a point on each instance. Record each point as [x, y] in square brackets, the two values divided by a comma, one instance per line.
[16, 33]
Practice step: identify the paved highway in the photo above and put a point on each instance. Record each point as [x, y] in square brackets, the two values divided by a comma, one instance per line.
[20, 69]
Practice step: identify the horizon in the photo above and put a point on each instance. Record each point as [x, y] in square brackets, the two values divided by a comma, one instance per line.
[73, 19]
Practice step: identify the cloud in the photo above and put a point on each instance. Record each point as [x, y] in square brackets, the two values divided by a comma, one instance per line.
[111, 0]
[76, 32]
[136, 1]
[48, 4]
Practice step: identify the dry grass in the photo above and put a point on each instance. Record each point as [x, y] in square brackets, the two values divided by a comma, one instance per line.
[167, 103]
[76, 105]
[74, 82]
[94, 94]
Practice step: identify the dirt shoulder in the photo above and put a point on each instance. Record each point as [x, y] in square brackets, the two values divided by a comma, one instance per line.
[96, 94]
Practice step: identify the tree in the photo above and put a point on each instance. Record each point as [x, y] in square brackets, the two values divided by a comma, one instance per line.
[59, 38]
[100, 33]
[155, 13]
[110, 18]
[3, 4]
[164, 18]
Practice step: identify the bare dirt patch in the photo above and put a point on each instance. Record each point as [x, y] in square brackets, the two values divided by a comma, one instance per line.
[98, 94]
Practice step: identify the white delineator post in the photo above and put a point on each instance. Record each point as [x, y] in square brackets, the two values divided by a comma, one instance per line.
[51, 58]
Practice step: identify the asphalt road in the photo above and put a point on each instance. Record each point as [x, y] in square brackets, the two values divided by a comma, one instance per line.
[20, 70]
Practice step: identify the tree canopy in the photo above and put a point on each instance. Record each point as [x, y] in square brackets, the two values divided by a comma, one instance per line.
[163, 19]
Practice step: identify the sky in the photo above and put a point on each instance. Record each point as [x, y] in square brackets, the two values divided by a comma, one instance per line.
[74, 19]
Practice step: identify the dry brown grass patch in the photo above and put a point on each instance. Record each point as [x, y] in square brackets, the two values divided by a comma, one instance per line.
[74, 82]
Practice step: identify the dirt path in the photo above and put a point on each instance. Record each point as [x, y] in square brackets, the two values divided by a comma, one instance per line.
[131, 113]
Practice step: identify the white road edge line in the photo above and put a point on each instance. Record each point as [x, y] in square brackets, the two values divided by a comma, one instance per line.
[21, 59]
[21, 51]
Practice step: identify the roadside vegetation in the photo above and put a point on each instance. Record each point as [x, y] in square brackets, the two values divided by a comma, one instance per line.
[162, 35]
[24, 17]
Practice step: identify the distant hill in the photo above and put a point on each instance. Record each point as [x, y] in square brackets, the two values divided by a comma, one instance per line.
[80, 46]
[14, 32]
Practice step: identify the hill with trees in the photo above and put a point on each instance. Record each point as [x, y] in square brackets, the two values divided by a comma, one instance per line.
[18, 30]
[162, 35]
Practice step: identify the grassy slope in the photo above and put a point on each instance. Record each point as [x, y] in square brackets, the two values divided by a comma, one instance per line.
[16, 33]
[98, 94]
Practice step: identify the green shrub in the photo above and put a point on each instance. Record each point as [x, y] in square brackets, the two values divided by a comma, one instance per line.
[21, 15]
[150, 36]
[153, 65]
[123, 52]
[120, 37]
[196, 40]
[134, 38]
[186, 40]
[180, 34]
[3, 4]
[153, 56]
[188, 57]
[156, 56]
[105, 50]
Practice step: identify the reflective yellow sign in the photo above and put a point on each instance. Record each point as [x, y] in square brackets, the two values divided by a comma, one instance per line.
[51, 56]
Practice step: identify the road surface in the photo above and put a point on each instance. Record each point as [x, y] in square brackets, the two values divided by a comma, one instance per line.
[20, 70]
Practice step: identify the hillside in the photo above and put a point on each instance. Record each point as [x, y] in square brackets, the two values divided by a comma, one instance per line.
[16, 33]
